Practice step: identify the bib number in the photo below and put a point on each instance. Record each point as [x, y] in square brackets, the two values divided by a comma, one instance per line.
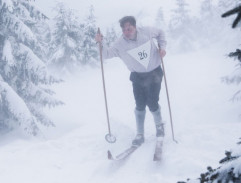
[142, 53]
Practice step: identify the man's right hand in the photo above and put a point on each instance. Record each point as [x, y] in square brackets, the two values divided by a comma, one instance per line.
[162, 52]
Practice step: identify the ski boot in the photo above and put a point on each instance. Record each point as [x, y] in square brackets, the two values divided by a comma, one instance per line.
[160, 132]
[138, 140]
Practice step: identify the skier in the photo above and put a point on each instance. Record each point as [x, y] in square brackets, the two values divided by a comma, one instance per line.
[138, 51]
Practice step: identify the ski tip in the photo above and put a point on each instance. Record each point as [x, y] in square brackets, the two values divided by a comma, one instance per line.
[110, 157]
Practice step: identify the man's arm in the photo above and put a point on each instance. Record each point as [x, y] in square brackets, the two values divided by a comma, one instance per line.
[107, 53]
[159, 35]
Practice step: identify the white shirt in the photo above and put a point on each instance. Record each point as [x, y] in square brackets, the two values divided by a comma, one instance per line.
[141, 54]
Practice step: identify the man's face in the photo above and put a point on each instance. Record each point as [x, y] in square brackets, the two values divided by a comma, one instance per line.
[129, 31]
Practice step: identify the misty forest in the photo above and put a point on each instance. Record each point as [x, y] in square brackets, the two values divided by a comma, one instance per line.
[38, 52]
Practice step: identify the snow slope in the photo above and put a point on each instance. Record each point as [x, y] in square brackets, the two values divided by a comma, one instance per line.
[206, 124]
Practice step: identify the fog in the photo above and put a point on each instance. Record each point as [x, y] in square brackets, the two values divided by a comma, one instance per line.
[108, 12]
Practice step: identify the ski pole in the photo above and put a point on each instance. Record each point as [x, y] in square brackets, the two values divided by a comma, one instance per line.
[108, 137]
[169, 105]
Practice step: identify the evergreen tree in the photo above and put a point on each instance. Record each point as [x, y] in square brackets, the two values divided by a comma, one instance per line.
[180, 28]
[67, 37]
[228, 172]
[207, 9]
[24, 79]
[160, 21]
[43, 34]
[89, 48]
[110, 36]
[208, 19]
[211, 27]
[235, 77]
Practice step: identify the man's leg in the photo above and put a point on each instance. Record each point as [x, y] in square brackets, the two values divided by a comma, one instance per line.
[140, 112]
[160, 132]
[140, 118]
[152, 102]
[140, 96]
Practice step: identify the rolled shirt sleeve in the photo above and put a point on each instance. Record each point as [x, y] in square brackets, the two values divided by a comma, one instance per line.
[109, 52]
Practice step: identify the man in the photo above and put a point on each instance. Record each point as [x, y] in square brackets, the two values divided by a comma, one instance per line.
[137, 49]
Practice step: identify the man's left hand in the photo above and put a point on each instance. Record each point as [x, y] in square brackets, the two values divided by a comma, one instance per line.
[162, 53]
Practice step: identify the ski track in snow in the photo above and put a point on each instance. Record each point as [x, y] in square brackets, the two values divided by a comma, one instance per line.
[206, 124]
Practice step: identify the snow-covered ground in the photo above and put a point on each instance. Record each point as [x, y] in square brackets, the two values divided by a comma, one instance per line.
[206, 123]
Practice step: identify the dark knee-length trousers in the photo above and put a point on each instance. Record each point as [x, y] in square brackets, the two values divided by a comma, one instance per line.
[146, 89]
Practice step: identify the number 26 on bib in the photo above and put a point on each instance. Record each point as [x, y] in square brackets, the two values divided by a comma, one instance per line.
[142, 54]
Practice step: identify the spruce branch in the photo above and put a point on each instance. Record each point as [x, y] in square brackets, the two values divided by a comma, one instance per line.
[239, 143]
[234, 11]
[228, 157]
[237, 54]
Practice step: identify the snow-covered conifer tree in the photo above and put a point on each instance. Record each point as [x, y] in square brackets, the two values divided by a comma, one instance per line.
[180, 28]
[160, 21]
[235, 77]
[89, 48]
[66, 41]
[110, 36]
[230, 168]
[211, 26]
[228, 172]
[24, 79]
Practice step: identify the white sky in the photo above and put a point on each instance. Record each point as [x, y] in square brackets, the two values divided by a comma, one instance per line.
[108, 12]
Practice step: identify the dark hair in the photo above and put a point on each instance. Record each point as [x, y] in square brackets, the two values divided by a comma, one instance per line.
[126, 19]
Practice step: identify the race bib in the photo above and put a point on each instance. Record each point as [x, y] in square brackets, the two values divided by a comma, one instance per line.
[142, 54]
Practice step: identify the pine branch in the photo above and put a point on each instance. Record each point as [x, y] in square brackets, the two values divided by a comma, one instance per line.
[228, 172]
[236, 20]
[228, 157]
[234, 11]
[20, 114]
[237, 54]
[239, 143]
